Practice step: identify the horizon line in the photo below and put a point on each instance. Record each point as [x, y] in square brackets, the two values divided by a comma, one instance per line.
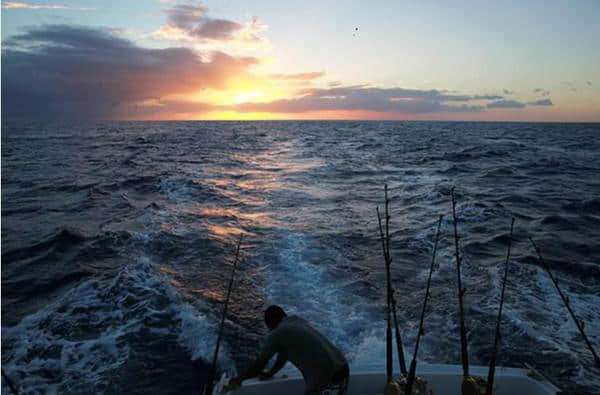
[288, 120]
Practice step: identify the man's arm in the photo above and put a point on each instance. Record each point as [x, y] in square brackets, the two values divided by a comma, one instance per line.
[256, 367]
[279, 363]
[271, 348]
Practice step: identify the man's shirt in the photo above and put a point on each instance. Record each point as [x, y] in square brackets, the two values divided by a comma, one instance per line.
[315, 356]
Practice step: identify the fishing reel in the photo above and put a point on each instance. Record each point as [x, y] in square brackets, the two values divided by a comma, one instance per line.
[473, 385]
[398, 387]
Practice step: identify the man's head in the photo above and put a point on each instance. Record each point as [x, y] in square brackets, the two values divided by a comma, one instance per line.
[273, 316]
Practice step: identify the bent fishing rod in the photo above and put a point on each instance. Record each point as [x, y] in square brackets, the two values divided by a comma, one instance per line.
[413, 364]
[208, 389]
[579, 323]
[492, 370]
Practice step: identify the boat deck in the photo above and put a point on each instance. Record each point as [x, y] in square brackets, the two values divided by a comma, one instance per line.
[442, 379]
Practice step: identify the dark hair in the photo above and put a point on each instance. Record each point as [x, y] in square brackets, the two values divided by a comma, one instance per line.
[273, 316]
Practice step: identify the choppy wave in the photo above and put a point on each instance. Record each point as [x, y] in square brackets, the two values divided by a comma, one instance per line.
[117, 240]
[102, 326]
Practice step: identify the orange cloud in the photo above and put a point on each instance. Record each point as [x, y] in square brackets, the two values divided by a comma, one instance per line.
[298, 76]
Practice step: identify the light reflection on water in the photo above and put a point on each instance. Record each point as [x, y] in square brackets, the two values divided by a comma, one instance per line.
[257, 177]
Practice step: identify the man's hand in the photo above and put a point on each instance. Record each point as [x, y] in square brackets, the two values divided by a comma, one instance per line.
[234, 383]
[265, 375]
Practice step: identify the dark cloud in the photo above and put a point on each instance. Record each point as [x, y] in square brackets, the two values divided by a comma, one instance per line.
[193, 20]
[216, 29]
[67, 71]
[298, 76]
[541, 91]
[505, 104]
[541, 102]
[507, 92]
[185, 16]
[365, 98]
[589, 83]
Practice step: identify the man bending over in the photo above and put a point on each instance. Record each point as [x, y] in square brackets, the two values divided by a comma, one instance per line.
[323, 366]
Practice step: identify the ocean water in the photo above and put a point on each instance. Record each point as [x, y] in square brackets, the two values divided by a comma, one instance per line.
[118, 237]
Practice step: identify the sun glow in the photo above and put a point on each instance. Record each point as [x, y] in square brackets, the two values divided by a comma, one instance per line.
[246, 89]
[244, 97]
[241, 116]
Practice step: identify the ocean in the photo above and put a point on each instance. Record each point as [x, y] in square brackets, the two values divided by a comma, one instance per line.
[118, 239]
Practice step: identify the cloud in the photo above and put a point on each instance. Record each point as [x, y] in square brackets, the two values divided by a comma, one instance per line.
[194, 21]
[217, 29]
[541, 102]
[366, 98]
[69, 71]
[487, 97]
[508, 92]
[298, 76]
[162, 109]
[543, 92]
[185, 16]
[589, 83]
[505, 104]
[13, 5]
[187, 22]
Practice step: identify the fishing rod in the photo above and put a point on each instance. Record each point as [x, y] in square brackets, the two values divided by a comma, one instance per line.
[212, 369]
[579, 323]
[399, 347]
[413, 364]
[492, 370]
[461, 292]
[388, 335]
[10, 384]
[391, 300]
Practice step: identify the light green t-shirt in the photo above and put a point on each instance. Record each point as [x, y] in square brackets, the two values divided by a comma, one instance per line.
[315, 356]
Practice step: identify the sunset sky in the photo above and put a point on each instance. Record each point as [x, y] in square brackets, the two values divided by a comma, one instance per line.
[160, 59]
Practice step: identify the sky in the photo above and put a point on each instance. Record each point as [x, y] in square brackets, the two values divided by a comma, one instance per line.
[499, 60]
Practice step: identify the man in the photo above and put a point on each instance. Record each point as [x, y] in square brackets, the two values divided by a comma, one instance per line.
[323, 366]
